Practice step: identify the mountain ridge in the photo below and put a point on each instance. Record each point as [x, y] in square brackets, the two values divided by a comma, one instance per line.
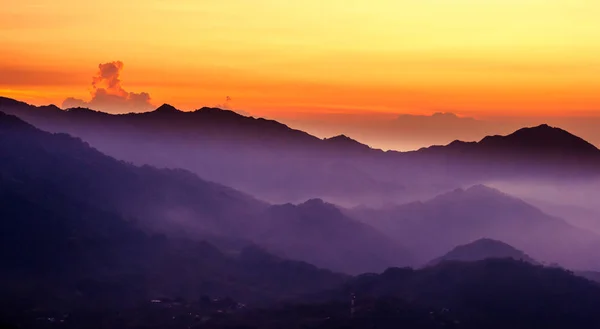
[275, 162]
[178, 203]
[461, 215]
[536, 133]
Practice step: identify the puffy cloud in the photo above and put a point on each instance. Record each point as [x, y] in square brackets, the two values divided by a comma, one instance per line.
[108, 94]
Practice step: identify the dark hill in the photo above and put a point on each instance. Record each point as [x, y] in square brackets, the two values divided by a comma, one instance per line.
[535, 152]
[493, 293]
[483, 249]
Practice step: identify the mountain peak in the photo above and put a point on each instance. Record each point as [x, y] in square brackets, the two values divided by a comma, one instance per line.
[541, 138]
[345, 141]
[50, 107]
[166, 108]
[341, 137]
[480, 197]
[483, 249]
[216, 113]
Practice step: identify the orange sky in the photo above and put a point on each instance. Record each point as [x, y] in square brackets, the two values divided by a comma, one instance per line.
[281, 58]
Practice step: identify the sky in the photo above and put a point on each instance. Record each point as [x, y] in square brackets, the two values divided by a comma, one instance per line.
[291, 59]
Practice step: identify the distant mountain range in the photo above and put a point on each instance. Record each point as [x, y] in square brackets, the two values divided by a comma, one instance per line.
[265, 155]
[261, 156]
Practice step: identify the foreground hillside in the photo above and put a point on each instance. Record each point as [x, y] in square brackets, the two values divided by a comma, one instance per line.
[494, 294]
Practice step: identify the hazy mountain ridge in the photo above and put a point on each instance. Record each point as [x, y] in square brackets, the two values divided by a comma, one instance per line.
[60, 253]
[321, 234]
[432, 227]
[179, 199]
[261, 156]
[92, 177]
[211, 142]
[179, 203]
[65, 240]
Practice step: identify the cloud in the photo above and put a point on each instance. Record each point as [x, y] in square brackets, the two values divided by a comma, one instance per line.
[108, 94]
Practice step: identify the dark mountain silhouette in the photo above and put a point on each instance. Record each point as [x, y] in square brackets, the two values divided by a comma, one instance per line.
[483, 249]
[493, 293]
[165, 109]
[165, 199]
[318, 233]
[252, 154]
[263, 156]
[542, 151]
[433, 227]
[347, 144]
[541, 140]
[179, 203]
[71, 235]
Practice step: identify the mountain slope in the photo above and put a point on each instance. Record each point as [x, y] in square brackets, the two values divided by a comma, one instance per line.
[77, 227]
[534, 152]
[179, 203]
[251, 154]
[166, 199]
[483, 249]
[318, 233]
[57, 251]
[433, 227]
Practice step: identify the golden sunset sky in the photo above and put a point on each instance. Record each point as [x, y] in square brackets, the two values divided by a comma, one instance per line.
[472, 57]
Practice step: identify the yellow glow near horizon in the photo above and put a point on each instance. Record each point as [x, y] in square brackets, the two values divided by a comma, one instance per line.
[484, 56]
